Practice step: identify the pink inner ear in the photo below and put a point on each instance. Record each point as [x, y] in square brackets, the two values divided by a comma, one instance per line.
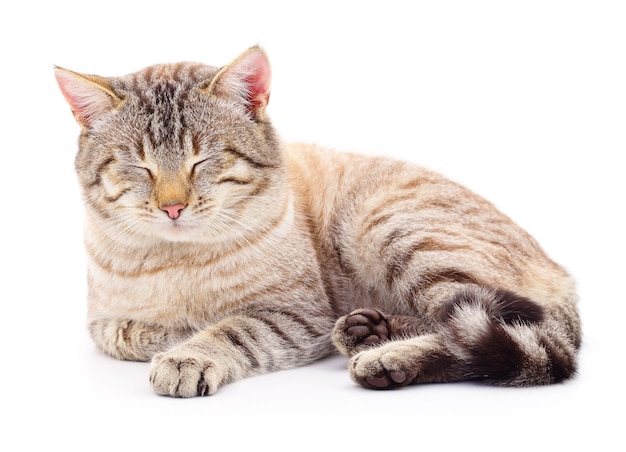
[87, 100]
[258, 80]
[65, 83]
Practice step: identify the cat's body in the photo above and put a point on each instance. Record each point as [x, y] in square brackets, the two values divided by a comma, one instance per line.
[217, 252]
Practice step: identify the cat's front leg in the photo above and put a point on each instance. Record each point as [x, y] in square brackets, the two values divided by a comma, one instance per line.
[248, 344]
[132, 340]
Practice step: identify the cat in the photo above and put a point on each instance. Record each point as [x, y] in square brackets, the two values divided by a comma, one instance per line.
[217, 252]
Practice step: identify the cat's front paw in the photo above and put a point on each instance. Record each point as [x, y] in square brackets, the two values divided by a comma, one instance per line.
[183, 375]
[359, 330]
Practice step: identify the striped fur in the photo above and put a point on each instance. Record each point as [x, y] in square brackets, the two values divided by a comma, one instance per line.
[217, 252]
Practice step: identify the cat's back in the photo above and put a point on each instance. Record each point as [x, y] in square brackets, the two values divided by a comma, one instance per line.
[375, 217]
[331, 184]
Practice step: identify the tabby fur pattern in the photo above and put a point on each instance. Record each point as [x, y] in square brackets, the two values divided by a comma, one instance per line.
[217, 252]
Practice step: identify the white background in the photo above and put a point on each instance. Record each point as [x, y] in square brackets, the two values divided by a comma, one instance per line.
[524, 102]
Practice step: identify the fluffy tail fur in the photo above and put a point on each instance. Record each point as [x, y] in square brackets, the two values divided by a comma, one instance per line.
[506, 339]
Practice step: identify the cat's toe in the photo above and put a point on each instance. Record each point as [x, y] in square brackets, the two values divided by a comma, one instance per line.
[367, 326]
[178, 376]
[384, 380]
[360, 329]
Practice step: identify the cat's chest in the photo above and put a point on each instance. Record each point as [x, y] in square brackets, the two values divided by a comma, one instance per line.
[177, 292]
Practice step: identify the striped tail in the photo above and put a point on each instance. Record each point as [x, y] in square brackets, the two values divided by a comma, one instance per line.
[506, 339]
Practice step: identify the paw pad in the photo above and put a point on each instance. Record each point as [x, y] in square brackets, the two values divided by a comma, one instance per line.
[368, 326]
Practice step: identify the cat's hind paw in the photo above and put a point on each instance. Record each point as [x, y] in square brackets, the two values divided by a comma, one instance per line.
[420, 359]
[360, 330]
[386, 367]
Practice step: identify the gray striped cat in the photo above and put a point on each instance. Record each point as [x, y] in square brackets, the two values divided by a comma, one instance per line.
[217, 252]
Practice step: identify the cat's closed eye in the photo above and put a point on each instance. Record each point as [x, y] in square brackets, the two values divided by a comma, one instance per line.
[132, 172]
[234, 180]
[197, 167]
[144, 170]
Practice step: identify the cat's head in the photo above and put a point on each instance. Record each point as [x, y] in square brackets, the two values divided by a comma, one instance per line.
[180, 152]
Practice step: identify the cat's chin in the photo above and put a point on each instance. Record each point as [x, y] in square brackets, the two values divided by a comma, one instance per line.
[178, 233]
[184, 234]
[180, 238]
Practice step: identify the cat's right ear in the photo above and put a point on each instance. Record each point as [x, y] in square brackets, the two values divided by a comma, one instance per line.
[89, 96]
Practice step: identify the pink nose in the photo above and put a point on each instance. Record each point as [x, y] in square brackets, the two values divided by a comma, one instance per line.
[173, 211]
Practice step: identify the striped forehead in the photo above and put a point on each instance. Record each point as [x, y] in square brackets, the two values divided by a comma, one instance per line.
[163, 92]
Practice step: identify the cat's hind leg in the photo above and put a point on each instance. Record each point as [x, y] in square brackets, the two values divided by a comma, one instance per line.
[421, 359]
[360, 330]
[390, 351]
[488, 335]
[364, 328]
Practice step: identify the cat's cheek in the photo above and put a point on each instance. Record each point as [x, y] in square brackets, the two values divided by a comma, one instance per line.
[109, 186]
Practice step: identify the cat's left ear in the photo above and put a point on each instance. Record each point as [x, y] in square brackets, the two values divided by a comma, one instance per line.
[247, 79]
